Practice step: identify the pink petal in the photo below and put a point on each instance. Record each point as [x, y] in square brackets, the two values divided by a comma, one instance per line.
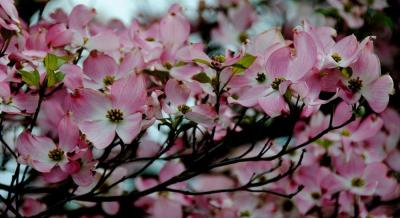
[300, 88]
[347, 49]
[55, 175]
[393, 159]
[166, 208]
[85, 175]
[174, 28]
[34, 146]
[377, 93]
[128, 97]
[273, 104]
[59, 35]
[9, 7]
[202, 114]
[277, 63]
[99, 132]
[306, 56]
[367, 67]
[98, 65]
[263, 41]
[68, 133]
[131, 61]
[73, 76]
[368, 128]
[129, 128]
[80, 17]
[249, 97]
[192, 51]
[177, 94]
[350, 168]
[343, 112]
[89, 105]
[43, 167]
[97, 42]
[170, 170]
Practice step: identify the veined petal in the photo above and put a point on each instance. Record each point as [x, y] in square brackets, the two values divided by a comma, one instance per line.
[174, 28]
[347, 49]
[176, 93]
[305, 57]
[368, 128]
[367, 67]
[89, 105]
[377, 93]
[99, 65]
[273, 104]
[68, 134]
[129, 94]
[277, 63]
[106, 41]
[130, 127]
[99, 132]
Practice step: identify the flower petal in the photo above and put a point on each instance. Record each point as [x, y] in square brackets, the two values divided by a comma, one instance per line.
[99, 132]
[273, 104]
[130, 127]
[377, 94]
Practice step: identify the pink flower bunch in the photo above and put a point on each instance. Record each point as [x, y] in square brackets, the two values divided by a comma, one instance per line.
[353, 11]
[114, 115]
[347, 170]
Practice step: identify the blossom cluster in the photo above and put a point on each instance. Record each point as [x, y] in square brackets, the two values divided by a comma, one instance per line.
[86, 107]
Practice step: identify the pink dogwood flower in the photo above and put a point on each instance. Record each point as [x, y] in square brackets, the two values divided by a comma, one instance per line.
[285, 68]
[9, 18]
[356, 177]
[101, 116]
[366, 80]
[43, 154]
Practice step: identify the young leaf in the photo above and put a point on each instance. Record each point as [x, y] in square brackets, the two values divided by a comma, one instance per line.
[53, 62]
[31, 78]
[202, 77]
[245, 62]
[54, 78]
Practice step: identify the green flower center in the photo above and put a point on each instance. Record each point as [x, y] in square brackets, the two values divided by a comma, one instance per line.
[357, 182]
[355, 85]
[336, 57]
[261, 77]
[115, 115]
[108, 80]
[218, 58]
[245, 214]
[277, 81]
[56, 154]
[243, 36]
[184, 108]
[316, 195]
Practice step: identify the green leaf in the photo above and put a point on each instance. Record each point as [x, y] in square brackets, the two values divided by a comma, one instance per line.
[54, 78]
[380, 18]
[202, 77]
[201, 61]
[328, 12]
[31, 78]
[53, 62]
[245, 62]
